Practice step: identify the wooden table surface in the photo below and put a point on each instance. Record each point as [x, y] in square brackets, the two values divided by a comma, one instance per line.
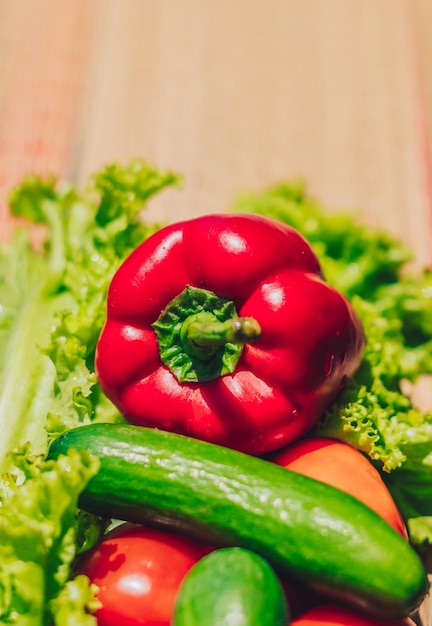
[233, 94]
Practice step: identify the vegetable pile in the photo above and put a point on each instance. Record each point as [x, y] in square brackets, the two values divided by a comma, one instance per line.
[53, 298]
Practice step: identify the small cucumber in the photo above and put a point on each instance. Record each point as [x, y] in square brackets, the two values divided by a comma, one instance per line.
[231, 586]
[307, 530]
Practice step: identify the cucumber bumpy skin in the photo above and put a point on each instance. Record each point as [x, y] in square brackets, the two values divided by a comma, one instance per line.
[307, 530]
[231, 586]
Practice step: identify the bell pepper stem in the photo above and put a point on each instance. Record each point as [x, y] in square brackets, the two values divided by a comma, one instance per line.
[237, 330]
[201, 337]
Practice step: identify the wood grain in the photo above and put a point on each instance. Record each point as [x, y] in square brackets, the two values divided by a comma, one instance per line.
[237, 95]
[234, 94]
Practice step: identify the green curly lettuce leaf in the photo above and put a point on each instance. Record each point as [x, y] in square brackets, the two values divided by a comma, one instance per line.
[39, 521]
[356, 259]
[52, 298]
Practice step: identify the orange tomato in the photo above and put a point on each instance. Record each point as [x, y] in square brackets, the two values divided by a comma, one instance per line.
[343, 466]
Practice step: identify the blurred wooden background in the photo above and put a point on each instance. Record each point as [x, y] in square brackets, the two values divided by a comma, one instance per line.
[234, 94]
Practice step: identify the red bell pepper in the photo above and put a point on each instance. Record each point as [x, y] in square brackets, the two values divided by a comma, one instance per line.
[223, 328]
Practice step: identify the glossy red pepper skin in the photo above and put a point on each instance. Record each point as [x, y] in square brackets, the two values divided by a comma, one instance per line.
[311, 338]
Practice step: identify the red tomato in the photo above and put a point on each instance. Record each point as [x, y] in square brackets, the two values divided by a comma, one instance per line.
[329, 615]
[343, 466]
[138, 572]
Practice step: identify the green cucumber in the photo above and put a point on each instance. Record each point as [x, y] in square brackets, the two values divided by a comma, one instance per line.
[231, 586]
[307, 530]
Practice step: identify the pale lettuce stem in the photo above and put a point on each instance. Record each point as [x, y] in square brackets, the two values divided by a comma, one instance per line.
[27, 382]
